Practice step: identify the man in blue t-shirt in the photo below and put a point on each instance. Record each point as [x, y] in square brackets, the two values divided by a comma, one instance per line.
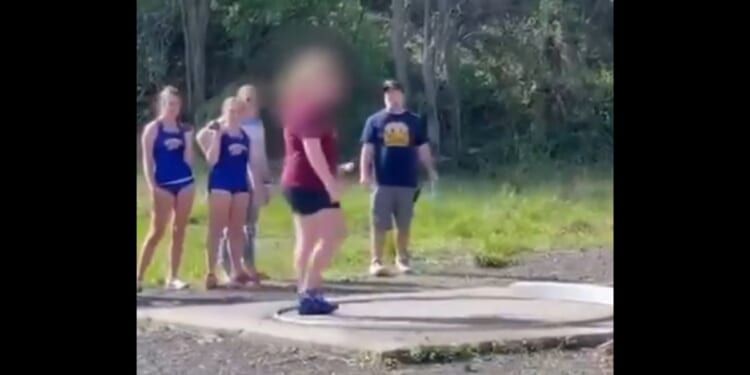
[393, 141]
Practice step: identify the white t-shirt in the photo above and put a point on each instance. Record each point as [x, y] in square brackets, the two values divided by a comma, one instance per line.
[254, 129]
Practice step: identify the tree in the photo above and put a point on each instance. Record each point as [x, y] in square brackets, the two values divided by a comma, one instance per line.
[195, 15]
[451, 64]
[428, 75]
[400, 59]
[511, 80]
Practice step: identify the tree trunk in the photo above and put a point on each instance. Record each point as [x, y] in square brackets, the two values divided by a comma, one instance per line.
[441, 35]
[451, 77]
[448, 63]
[358, 25]
[428, 75]
[195, 15]
[398, 20]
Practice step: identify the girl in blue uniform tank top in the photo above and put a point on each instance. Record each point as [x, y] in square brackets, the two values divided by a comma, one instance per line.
[251, 123]
[167, 150]
[229, 184]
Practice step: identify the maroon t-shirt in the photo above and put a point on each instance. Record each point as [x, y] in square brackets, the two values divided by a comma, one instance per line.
[306, 121]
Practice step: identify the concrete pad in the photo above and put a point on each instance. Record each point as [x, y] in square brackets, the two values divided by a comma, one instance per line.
[553, 313]
[586, 293]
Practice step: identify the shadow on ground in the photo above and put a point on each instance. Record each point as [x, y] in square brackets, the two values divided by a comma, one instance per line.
[490, 273]
[270, 291]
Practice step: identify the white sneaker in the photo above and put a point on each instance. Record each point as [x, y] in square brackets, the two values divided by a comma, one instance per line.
[225, 278]
[377, 269]
[176, 284]
[402, 265]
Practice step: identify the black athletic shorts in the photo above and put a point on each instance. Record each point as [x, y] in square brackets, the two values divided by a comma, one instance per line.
[308, 201]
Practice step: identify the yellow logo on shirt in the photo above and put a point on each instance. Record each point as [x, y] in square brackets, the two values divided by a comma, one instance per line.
[172, 143]
[236, 149]
[396, 134]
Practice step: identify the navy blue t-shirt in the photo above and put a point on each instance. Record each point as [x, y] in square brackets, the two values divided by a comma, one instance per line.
[395, 138]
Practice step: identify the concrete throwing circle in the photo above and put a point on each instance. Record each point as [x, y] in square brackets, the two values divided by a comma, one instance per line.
[480, 308]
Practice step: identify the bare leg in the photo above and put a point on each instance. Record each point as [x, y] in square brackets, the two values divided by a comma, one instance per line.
[377, 243]
[219, 202]
[305, 238]
[332, 233]
[236, 234]
[381, 221]
[224, 257]
[161, 208]
[403, 215]
[183, 207]
[402, 243]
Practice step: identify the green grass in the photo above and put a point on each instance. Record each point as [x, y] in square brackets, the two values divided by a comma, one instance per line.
[492, 219]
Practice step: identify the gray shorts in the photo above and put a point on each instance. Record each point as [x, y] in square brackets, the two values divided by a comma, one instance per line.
[392, 203]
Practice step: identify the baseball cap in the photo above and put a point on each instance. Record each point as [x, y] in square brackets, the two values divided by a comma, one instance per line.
[392, 84]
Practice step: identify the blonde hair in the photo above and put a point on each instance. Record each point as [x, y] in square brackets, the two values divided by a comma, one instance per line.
[166, 92]
[226, 104]
[159, 103]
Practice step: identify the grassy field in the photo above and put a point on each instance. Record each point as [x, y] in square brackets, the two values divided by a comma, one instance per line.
[522, 210]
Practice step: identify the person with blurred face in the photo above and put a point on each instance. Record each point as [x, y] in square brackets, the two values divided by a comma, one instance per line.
[311, 86]
[230, 180]
[252, 125]
[167, 148]
[394, 140]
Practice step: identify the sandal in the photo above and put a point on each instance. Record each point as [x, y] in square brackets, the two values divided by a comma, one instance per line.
[243, 280]
[211, 282]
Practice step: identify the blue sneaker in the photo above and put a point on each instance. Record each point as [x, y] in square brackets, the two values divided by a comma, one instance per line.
[314, 305]
[317, 294]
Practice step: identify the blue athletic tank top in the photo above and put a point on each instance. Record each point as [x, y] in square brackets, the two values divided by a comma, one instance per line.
[169, 156]
[230, 171]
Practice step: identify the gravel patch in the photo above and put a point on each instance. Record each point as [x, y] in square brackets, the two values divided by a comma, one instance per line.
[166, 350]
[587, 265]
[170, 350]
[584, 265]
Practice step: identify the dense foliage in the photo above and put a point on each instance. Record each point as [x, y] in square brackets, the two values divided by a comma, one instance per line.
[515, 80]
